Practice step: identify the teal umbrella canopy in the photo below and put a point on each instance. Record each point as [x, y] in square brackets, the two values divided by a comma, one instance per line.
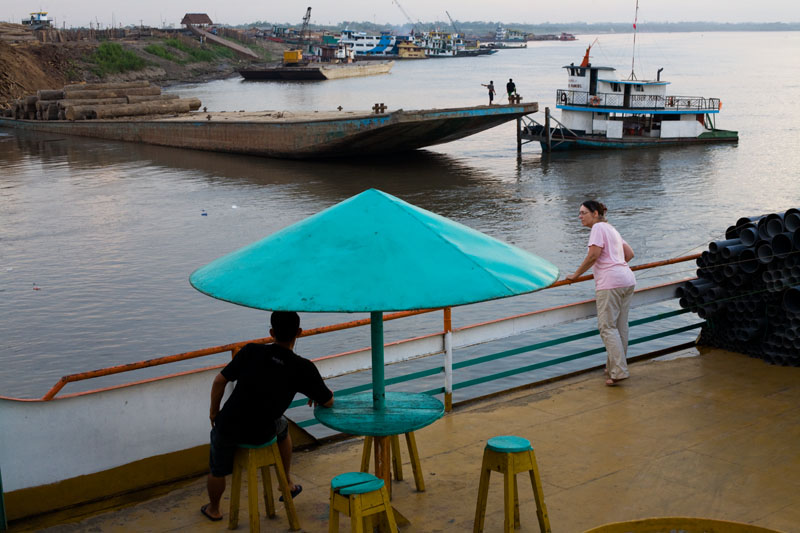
[372, 252]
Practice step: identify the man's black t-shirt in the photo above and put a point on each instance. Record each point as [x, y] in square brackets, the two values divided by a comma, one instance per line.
[267, 377]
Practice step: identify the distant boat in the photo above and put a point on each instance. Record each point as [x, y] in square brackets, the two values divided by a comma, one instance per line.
[318, 71]
[505, 38]
[600, 111]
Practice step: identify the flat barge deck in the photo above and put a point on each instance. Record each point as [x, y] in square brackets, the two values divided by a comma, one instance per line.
[293, 135]
[701, 433]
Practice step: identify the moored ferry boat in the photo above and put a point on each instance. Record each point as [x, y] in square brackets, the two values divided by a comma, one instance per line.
[365, 46]
[598, 110]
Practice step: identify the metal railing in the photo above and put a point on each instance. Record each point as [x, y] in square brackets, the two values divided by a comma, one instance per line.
[404, 350]
[637, 101]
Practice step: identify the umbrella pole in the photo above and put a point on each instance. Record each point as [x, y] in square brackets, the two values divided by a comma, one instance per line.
[378, 387]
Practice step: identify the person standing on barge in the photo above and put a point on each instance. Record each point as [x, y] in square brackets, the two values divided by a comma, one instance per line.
[511, 88]
[492, 92]
[267, 378]
[608, 258]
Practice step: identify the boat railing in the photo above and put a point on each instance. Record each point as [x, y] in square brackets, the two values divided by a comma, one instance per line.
[444, 342]
[638, 101]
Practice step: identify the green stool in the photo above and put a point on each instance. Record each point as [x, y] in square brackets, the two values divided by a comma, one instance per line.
[510, 455]
[252, 459]
[359, 495]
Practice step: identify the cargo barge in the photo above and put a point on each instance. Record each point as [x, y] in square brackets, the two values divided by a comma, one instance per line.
[292, 135]
[319, 71]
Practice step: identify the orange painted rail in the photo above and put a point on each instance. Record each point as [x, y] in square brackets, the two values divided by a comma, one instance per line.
[235, 347]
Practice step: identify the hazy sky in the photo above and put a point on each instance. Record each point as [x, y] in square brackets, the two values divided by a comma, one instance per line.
[153, 12]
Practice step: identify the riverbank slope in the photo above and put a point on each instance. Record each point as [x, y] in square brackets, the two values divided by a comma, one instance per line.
[28, 65]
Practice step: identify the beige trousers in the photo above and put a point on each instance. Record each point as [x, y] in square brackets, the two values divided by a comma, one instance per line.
[612, 321]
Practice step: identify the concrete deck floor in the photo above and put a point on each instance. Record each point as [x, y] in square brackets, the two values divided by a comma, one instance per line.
[710, 434]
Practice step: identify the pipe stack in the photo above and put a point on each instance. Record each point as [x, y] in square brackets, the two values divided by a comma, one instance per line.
[748, 289]
[87, 101]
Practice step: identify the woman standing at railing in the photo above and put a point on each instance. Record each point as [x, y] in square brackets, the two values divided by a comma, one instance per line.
[608, 257]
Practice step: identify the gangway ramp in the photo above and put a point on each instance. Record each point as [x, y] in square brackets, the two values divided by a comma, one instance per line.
[239, 49]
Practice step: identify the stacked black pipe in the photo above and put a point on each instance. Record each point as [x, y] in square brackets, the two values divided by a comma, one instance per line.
[748, 289]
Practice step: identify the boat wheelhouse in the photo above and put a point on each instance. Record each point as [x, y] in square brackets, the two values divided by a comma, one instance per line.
[38, 20]
[598, 110]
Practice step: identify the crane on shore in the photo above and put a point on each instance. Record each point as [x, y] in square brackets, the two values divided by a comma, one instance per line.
[453, 24]
[305, 33]
[408, 18]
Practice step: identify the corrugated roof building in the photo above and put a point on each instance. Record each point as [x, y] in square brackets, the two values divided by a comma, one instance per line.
[197, 19]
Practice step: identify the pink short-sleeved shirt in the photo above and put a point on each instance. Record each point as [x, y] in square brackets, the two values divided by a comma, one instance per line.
[611, 271]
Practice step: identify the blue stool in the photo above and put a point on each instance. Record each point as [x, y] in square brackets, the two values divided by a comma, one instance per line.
[359, 495]
[510, 455]
[252, 459]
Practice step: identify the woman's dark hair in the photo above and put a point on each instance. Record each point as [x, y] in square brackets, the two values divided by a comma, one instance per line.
[284, 325]
[594, 205]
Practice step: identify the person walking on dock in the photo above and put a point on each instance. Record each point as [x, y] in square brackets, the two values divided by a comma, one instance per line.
[267, 377]
[492, 92]
[511, 88]
[608, 258]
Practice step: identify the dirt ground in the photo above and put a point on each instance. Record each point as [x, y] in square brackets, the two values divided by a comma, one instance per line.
[26, 67]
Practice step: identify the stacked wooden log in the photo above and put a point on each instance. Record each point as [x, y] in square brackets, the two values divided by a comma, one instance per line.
[86, 101]
[15, 33]
[748, 289]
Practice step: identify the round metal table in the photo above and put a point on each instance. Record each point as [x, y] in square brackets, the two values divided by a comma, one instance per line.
[354, 414]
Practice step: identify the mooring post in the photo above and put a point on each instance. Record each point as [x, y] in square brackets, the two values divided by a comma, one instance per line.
[519, 135]
[547, 127]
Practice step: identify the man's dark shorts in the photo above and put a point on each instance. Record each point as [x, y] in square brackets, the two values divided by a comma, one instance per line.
[222, 449]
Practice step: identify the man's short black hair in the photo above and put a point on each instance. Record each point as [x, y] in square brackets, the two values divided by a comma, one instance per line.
[284, 325]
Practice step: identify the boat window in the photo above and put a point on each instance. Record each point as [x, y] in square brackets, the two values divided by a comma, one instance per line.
[616, 87]
[638, 88]
[581, 72]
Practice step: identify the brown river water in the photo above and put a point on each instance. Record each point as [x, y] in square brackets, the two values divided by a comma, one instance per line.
[97, 238]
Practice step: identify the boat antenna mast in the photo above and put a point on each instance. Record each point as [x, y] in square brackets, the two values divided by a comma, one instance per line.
[633, 54]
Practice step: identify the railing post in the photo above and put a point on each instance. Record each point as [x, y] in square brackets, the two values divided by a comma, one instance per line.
[448, 360]
[3, 521]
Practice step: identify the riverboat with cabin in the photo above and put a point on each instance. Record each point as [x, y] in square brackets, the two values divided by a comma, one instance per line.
[383, 46]
[599, 110]
[506, 38]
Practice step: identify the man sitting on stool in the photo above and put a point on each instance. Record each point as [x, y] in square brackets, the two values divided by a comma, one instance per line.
[267, 377]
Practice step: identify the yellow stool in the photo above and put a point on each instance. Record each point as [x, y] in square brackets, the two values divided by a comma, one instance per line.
[252, 459]
[359, 495]
[510, 456]
[397, 460]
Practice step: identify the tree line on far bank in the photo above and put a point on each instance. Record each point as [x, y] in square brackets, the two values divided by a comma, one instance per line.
[480, 28]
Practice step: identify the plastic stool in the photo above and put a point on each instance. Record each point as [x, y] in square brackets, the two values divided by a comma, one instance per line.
[510, 455]
[252, 459]
[359, 495]
[397, 461]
